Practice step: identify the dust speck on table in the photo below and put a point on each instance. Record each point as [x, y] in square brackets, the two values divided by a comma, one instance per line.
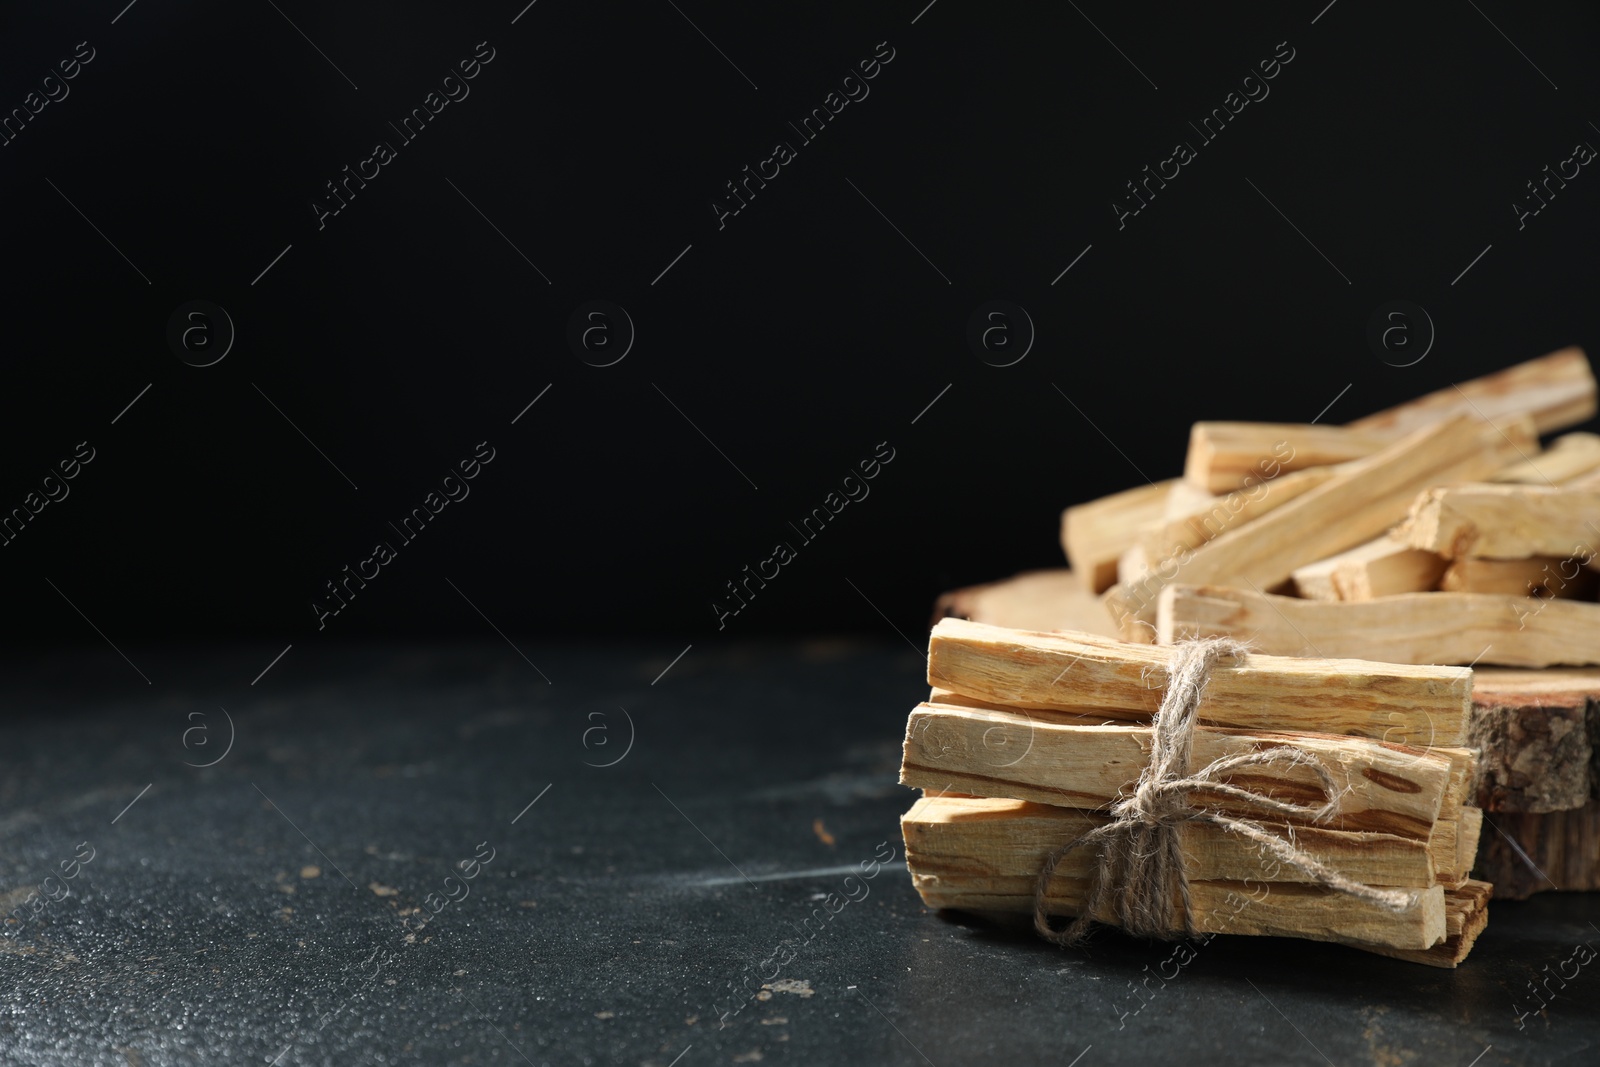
[798, 986]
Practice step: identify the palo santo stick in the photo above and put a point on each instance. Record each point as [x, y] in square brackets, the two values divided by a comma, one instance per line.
[1096, 533]
[949, 875]
[1588, 480]
[1544, 576]
[1505, 521]
[1467, 839]
[1466, 913]
[1380, 567]
[1006, 742]
[1224, 456]
[1388, 789]
[1557, 390]
[1131, 567]
[1079, 672]
[1463, 770]
[1409, 628]
[1184, 499]
[1364, 499]
[1569, 457]
[1444, 845]
[1285, 909]
[1037, 600]
[1010, 838]
[1202, 516]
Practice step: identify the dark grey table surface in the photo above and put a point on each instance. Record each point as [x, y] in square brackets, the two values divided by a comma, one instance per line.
[270, 908]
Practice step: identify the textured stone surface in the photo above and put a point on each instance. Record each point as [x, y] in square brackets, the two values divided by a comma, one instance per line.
[215, 926]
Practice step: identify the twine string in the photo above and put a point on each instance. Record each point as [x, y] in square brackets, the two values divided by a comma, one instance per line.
[1139, 868]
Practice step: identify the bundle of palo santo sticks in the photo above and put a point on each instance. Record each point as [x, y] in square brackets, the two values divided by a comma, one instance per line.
[1029, 737]
[1436, 532]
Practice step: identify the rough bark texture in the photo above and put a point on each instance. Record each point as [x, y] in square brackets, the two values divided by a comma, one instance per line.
[1535, 759]
[1537, 731]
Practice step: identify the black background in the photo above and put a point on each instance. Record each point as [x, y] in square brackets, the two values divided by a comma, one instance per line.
[796, 338]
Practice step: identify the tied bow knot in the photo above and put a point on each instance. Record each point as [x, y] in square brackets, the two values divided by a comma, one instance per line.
[1140, 866]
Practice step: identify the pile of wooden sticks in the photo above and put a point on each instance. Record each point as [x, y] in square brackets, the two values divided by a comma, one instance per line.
[1028, 737]
[1434, 532]
[1438, 532]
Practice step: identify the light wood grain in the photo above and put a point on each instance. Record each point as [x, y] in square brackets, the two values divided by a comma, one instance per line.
[1007, 743]
[1011, 837]
[1224, 456]
[1545, 576]
[1362, 501]
[1569, 457]
[1416, 628]
[1444, 847]
[987, 879]
[1201, 516]
[1470, 834]
[1466, 914]
[1132, 565]
[1184, 499]
[1388, 789]
[1095, 534]
[1079, 672]
[1383, 566]
[1557, 391]
[1506, 521]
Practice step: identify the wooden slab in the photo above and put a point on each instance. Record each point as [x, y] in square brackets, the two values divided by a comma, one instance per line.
[1560, 850]
[1537, 730]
